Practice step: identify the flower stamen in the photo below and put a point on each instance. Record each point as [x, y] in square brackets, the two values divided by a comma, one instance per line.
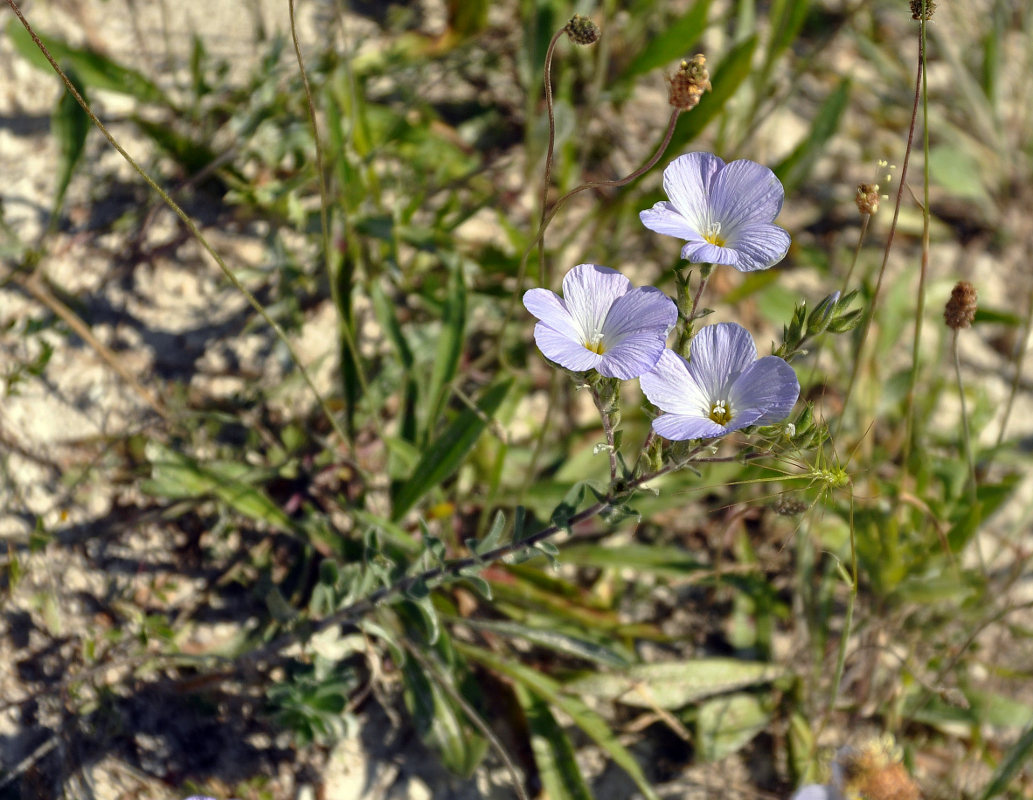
[713, 234]
[595, 344]
[720, 412]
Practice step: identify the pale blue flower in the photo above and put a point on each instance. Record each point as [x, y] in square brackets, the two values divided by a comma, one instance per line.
[816, 791]
[601, 323]
[722, 387]
[723, 211]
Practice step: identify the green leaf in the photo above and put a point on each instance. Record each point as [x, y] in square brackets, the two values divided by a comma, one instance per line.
[440, 723]
[795, 167]
[553, 754]
[444, 455]
[178, 476]
[586, 719]
[450, 346]
[1016, 758]
[673, 43]
[734, 69]
[554, 640]
[671, 562]
[95, 70]
[674, 684]
[727, 724]
[70, 124]
[193, 156]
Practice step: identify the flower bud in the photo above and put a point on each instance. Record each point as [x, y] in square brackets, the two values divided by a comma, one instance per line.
[916, 9]
[581, 30]
[961, 308]
[867, 198]
[689, 83]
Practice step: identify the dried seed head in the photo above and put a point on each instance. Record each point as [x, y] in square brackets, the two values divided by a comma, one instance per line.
[788, 506]
[873, 771]
[916, 9]
[961, 308]
[867, 198]
[582, 30]
[689, 83]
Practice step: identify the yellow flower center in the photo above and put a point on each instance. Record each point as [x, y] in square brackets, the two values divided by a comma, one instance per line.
[713, 234]
[595, 344]
[720, 412]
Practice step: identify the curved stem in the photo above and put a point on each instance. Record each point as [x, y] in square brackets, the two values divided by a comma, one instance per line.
[548, 218]
[543, 277]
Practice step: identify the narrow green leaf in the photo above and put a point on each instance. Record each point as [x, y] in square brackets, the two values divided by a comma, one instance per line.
[95, 70]
[553, 753]
[70, 124]
[1017, 757]
[734, 68]
[193, 156]
[673, 43]
[440, 723]
[178, 476]
[674, 684]
[450, 346]
[796, 165]
[554, 640]
[657, 560]
[586, 719]
[444, 455]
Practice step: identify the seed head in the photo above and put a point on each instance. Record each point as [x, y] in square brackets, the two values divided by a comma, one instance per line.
[689, 83]
[867, 198]
[873, 771]
[916, 9]
[961, 308]
[581, 30]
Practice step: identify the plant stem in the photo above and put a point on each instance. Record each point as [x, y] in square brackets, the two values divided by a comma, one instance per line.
[543, 277]
[434, 577]
[966, 433]
[344, 323]
[909, 419]
[611, 448]
[870, 316]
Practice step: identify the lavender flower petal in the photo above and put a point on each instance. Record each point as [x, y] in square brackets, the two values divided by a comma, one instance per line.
[588, 292]
[666, 219]
[816, 792]
[759, 246]
[681, 427]
[645, 308]
[671, 387]
[552, 311]
[564, 350]
[768, 386]
[743, 192]
[719, 355]
[688, 181]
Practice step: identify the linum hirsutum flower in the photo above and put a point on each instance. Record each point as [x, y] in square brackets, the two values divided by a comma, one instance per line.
[722, 387]
[724, 212]
[601, 323]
